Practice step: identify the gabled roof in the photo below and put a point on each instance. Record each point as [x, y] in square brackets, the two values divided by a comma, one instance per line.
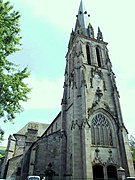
[41, 127]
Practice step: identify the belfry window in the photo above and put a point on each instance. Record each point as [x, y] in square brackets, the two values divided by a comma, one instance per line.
[101, 131]
[88, 54]
[98, 56]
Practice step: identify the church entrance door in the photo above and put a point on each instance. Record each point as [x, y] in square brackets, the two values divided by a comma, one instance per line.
[112, 172]
[98, 172]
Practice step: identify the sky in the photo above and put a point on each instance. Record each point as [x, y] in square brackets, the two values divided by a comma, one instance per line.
[45, 27]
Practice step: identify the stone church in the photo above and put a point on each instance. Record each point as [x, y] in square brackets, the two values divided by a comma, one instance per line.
[87, 140]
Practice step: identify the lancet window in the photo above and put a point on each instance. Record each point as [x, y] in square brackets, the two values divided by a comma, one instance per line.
[88, 54]
[98, 56]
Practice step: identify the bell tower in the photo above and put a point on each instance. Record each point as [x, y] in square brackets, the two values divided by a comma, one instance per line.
[96, 138]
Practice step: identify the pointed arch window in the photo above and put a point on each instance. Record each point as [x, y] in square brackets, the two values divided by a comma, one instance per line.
[101, 131]
[88, 54]
[98, 56]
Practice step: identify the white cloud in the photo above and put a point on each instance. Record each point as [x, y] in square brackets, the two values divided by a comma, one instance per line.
[45, 94]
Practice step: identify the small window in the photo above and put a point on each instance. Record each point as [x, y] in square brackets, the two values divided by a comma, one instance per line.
[88, 54]
[98, 57]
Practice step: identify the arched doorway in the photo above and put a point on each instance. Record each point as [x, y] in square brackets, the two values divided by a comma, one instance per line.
[98, 172]
[112, 172]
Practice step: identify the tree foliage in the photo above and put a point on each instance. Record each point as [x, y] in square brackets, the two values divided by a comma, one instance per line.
[13, 89]
[2, 151]
[132, 145]
[133, 154]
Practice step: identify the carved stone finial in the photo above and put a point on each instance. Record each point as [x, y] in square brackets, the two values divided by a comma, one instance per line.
[33, 126]
[73, 125]
[110, 158]
[99, 94]
[97, 151]
[91, 82]
[91, 31]
[97, 158]
[99, 35]
[62, 133]
[104, 85]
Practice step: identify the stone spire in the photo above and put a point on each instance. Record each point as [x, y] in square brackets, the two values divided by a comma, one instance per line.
[82, 22]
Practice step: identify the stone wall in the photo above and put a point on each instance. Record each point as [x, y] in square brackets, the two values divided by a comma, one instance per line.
[47, 151]
[13, 164]
[18, 149]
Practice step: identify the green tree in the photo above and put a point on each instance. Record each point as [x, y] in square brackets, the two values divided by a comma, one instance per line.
[13, 88]
[133, 154]
[132, 145]
[2, 151]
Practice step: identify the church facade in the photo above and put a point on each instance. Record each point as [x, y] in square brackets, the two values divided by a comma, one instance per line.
[88, 139]
[96, 138]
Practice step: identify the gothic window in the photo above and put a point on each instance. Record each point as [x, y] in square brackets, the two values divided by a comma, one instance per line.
[98, 56]
[101, 131]
[88, 54]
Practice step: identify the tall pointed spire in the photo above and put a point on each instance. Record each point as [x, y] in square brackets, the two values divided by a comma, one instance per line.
[83, 19]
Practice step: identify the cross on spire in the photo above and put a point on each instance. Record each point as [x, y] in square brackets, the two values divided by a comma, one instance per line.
[83, 18]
